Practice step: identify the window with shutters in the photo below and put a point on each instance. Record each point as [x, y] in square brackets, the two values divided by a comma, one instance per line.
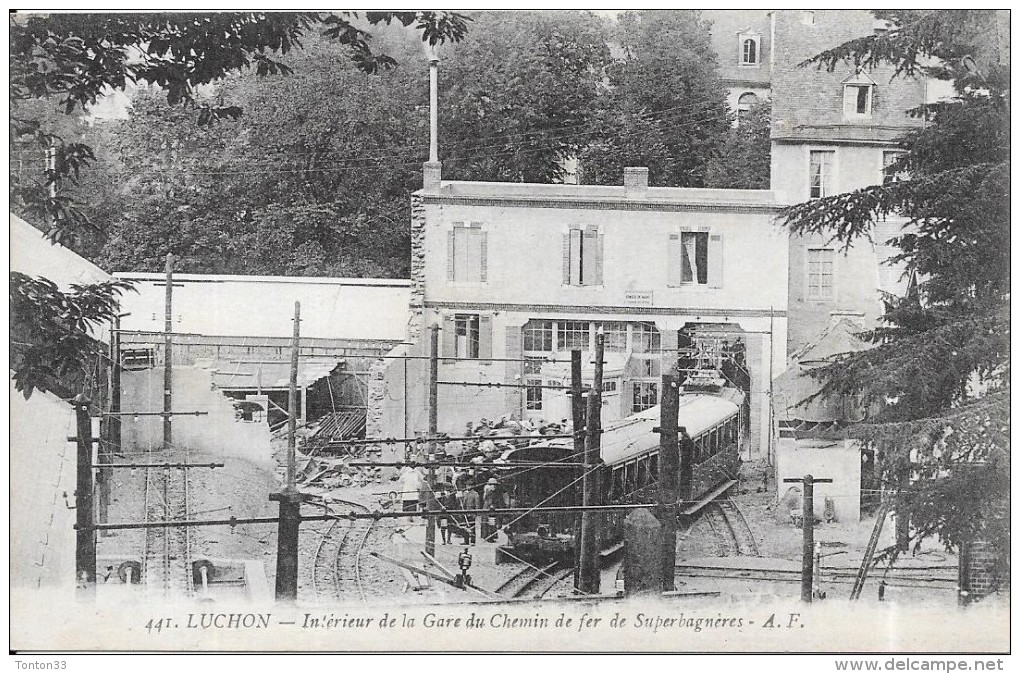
[820, 273]
[572, 335]
[582, 257]
[467, 336]
[467, 253]
[646, 395]
[821, 179]
[695, 259]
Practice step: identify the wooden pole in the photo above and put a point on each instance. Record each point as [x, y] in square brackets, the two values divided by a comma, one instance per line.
[290, 499]
[85, 535]
[578, 414]
[430, 526]
[589, 572]
[807, 557]
[669, 476]
[168, 354]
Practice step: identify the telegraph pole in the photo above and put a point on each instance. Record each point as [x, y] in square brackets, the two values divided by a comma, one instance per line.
[577, 413]
[430, 526]
[589, 571]
[669, 473]
[289, 498]
[807, 572]
[168, 354]
[85, 535]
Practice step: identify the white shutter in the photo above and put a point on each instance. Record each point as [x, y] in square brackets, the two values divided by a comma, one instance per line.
[483, 253]
[485, 338]
[451, 246]
[673, 262]
[575, 257]
[448, 337]
[589, 250]
[566, 259]
[715, 261]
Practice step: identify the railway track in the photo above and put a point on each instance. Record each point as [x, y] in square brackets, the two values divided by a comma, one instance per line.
[337, 561]
[167, 555]
[842, 576]
[741, 530]
[534, 582]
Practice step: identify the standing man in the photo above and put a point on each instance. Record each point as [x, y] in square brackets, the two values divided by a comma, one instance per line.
[470, 500]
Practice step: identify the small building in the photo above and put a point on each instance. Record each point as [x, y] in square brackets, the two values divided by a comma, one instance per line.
[239, 329]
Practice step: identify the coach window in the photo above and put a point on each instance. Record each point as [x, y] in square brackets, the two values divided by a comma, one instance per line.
[617, 491]
[653, 467]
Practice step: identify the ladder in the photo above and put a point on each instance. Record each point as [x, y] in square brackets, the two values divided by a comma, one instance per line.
[869, 552]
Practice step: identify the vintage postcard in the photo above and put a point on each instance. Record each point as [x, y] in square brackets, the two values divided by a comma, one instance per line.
[568, 331]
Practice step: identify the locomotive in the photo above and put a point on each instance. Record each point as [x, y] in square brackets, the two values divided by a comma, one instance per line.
[630, 474]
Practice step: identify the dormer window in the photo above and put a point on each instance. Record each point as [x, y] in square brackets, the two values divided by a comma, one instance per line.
[858, 95]
[750, 49]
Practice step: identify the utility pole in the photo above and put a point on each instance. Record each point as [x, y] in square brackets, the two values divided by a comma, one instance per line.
[589, 572]
[110, 427]
[577, 412]
[289, 498]
[430, 526]
[85, 535]
[168, 355]
[807, 572]
[669, 474]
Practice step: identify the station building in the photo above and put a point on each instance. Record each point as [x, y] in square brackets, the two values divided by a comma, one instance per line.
[518, 275]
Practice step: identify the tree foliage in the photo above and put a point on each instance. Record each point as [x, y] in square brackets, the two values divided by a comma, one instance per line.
[51, 345]
[664, 108]
[939, 374]
[519, 93]
[743, 158]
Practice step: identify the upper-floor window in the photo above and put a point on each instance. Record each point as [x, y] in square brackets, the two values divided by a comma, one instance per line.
[889, 172]
[695, 259]
[750, 50]
[820, 273]
[858, 96]
[857, 100]
[582, 257]
[821, 179]
[467, 253]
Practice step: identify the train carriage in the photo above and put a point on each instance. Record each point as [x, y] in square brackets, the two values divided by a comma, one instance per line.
[629, 474]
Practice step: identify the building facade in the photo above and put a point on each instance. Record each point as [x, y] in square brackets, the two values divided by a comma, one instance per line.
[515, 276]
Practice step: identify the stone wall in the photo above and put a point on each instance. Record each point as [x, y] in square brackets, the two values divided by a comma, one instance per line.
[417, 303]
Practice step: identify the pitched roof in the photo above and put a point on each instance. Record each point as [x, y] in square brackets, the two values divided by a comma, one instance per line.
[33, 254]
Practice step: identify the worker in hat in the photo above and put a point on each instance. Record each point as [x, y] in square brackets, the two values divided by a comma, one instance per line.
[492, 497]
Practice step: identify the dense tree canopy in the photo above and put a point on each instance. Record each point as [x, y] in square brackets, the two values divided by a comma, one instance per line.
[940, 370]
[664, 108]
[742, 160]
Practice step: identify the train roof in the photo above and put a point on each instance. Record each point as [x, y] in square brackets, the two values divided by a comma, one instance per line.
[633, 435]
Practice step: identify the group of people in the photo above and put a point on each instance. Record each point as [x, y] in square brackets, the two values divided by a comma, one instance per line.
[470, 489]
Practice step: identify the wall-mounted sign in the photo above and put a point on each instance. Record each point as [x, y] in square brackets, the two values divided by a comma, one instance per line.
[638, 297]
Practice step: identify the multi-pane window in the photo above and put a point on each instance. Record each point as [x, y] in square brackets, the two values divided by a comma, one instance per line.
[889, 172]
[572, 335]
[609, 386]
[857, 100]
[694, 257]
[820, 273]
[538, 336]
[467, 252]
[615, 336]
[465, 335]
[646, 395]
[748, 50]
[821, 173]
[533, 393]
[646, 338]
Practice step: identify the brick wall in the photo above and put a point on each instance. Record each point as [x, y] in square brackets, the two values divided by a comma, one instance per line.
[981, 570]
[811, 97]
